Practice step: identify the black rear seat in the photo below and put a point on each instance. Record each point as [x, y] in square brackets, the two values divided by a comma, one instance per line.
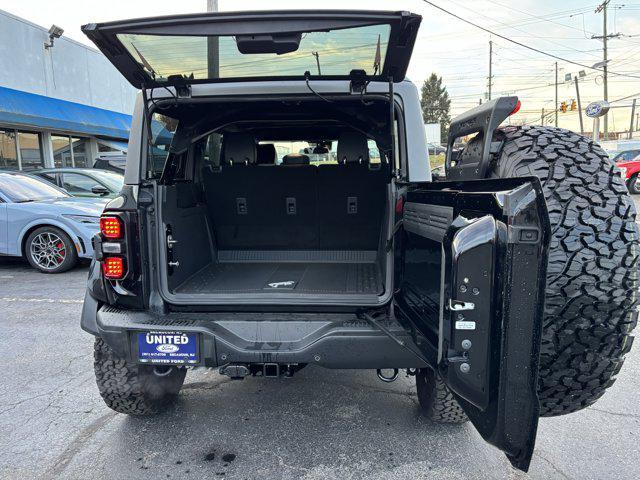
[229, 190]
[351, 197]
[295, 206]
[261, 208]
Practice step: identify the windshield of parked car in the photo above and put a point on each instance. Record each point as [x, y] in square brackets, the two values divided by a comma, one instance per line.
[335, 52]
[23, 188]
[112, 180]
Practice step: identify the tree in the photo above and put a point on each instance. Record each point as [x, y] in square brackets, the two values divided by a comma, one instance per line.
[436, 104]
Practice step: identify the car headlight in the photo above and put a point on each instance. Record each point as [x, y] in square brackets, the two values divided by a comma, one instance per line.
[83, 219]
[623, 172]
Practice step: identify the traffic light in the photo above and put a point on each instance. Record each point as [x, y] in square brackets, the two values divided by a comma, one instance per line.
[574, 106]
[563, 107]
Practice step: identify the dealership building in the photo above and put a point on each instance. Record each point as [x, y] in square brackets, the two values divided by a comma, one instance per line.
[62, 104]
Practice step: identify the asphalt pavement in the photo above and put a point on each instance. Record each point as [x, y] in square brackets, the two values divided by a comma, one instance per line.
[320, 424]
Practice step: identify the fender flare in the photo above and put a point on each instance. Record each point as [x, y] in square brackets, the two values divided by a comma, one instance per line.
[44, 222]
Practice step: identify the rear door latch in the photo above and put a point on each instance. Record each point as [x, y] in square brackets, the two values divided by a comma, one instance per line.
[458, 306]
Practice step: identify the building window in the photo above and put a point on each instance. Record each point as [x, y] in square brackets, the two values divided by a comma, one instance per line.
[102, 148]
[70, 151]
[61, 151]
[8, 150]
[20, 150]
[80, 149]
[30, 150]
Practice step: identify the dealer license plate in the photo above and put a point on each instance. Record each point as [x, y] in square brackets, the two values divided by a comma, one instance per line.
[168, 347]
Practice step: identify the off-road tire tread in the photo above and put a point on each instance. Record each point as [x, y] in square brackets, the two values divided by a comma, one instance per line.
[120, 384]
[436, 400]
[592, 273]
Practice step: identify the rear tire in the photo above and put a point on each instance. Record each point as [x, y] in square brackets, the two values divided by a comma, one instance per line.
[592, 273]
[634, 184]
[131, 388]
[436, 400]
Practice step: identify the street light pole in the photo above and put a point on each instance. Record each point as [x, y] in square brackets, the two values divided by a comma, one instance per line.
[557, 94]
[605, 36]
[633, 114]
[579, 105]
[604, 68]
[213, 47]
[490, 67]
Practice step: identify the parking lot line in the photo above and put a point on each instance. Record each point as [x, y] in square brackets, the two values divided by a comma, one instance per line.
[40, 300]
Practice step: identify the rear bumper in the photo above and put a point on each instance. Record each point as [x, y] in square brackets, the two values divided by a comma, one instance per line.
[331, 340]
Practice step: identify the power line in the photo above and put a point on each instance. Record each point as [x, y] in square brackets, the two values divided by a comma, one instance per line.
[522, 44]
[536, 16]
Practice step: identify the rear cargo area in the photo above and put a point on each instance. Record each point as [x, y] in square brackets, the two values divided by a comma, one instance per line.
[336, 272]
[255, 228]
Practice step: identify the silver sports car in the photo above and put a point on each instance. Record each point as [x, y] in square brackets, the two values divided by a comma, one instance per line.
[43, 223]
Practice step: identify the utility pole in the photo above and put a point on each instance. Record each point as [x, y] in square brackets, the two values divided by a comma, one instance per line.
[633, 114]
[213, 46]
[556, 123]
[490, 67]
[579, 105]
[542, 117]
[317, 55]
[605, 60]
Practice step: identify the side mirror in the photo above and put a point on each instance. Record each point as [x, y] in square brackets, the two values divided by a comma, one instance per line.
[100, 190]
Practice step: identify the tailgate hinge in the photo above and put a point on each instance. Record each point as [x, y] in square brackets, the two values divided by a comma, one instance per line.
[395, 230]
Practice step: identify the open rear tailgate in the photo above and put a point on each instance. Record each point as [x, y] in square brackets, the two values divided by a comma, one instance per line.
[483, 334]
[230, 46]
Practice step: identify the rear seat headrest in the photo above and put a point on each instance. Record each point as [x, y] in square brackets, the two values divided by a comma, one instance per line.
[239, 148]
[352, 148]
[295, 159]
[266, 154]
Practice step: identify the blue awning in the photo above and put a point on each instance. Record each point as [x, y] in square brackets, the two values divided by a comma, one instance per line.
[27, 110]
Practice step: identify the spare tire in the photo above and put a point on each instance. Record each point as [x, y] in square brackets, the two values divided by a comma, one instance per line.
[592, 274]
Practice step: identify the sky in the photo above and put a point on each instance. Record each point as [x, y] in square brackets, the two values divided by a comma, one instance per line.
[452, 49]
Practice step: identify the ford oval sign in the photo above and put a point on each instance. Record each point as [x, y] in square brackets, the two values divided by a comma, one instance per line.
[597, 109]
[167, 348]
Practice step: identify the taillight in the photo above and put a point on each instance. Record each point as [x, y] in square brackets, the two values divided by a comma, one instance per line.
[516, 108]
[113, 267]
[111, 227]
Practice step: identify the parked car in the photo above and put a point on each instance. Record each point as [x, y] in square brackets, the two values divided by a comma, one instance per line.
[83, 182]
[506, 296]
[625, 156]
[114, 163]
[435, 149]
[44, 224]
[630, 170]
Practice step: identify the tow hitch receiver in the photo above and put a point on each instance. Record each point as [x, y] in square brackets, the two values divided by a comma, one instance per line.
[267, 370]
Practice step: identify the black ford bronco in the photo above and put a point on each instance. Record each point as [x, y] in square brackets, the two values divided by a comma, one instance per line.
[278, 211]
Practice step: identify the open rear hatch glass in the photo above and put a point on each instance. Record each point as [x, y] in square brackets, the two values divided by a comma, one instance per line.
[230, 46]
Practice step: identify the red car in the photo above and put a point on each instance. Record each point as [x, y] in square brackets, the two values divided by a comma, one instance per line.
[630, 170]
